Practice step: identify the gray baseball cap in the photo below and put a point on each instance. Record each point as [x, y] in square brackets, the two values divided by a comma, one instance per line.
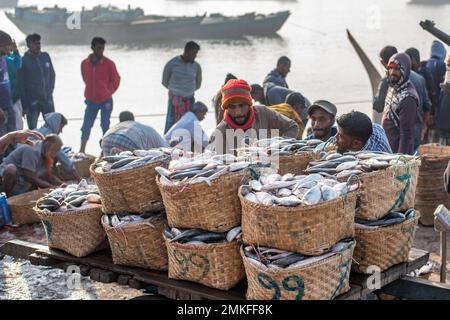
[324, 105]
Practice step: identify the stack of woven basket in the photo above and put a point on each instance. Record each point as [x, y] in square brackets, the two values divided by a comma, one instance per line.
[213, 208]
[140, 243]
[134, 192]
[430, 187]
[311, 230]
[383, 192]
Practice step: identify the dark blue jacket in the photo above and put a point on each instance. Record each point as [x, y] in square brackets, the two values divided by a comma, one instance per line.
[36, 79]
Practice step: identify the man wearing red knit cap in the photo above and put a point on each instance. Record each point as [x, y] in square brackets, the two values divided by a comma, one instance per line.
[244, 122]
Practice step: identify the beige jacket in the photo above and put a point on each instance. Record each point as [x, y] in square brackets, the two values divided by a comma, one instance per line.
[268, 123]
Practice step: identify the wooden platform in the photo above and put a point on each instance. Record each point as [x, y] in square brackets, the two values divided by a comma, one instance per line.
[101, 268]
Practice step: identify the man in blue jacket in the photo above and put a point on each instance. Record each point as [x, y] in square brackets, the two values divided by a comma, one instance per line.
[36, 81]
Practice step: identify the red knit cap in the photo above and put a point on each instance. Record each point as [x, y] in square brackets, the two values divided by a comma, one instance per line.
[236, 90]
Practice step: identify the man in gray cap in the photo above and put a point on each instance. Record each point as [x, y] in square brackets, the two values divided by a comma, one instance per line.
[323, 115]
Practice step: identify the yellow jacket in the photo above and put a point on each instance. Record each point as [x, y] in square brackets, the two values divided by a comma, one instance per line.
[287, 111]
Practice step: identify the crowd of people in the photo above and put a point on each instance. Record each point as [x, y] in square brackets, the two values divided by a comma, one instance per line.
[413, 97]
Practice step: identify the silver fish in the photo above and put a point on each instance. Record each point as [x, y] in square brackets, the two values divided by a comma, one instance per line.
[287, 261]
[186, 234]
[310, 260]
[252, 197]
[238, 166]
[163, 172]
[347, 173]
[333, 156]
[376, 164]
[256, 185]
[313, 196]
[233, 233]
[264, 198]
[196, 243]
[278, 185]
[284, 192]
[314, 142]
[273, 178]
[328, 193]
[291, 201]
[287, 177]
[346, 166]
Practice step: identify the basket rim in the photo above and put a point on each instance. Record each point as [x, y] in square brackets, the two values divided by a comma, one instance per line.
[68, 212]
[290, 269]
[203, 247]
[387, 228]
[290, 209]
[136, 226]
[121, 173]
[187, 185]
[11, 201]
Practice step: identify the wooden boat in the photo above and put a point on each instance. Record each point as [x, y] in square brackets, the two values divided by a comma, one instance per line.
[372, 72]
[4, 4]
[58, 26]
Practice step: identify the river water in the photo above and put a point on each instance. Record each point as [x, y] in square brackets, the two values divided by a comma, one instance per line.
[324, 65]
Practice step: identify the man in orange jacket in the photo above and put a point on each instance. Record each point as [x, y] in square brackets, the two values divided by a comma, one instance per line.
[102, 81]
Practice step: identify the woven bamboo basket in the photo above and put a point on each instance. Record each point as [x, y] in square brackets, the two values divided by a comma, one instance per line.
[21, 207]
[200, 206]
[309, 230]
[132, 190]
[296, 163]
[430, 187]
[385, 190]
[216, 265]
[383, 247]
[77, 232]
[139, 244]
[83, 166]
[323, 280]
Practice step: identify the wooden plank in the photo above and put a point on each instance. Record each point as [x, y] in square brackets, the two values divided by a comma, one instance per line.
[20, 249]
[417, 259]
[176, 289]
[353, 294]
[417, 289]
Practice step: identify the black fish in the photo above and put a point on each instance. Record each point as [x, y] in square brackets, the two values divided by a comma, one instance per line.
[287, 261]
[209, 237]
[123, 162]
[185, 235]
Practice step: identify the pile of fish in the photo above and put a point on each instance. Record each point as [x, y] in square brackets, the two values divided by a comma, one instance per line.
[202, 168]
[122, 219]
[342, 166]
[200, 237]
[73, 197]
[74, 156]
[132, 159]
[279, 146]
[279, 259]
[292, 191]
[391, 219]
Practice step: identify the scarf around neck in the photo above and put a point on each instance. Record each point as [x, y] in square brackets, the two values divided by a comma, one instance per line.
[247, 125]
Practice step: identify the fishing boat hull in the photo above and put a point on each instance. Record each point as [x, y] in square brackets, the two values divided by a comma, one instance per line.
[55, 26]
[6, 4]
[141, 31]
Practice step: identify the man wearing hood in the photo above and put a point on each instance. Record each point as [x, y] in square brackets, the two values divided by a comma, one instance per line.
[444, 108]
[380, 98]
[436, 67]
[401, 105]
[54, 123]
[244, 122]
